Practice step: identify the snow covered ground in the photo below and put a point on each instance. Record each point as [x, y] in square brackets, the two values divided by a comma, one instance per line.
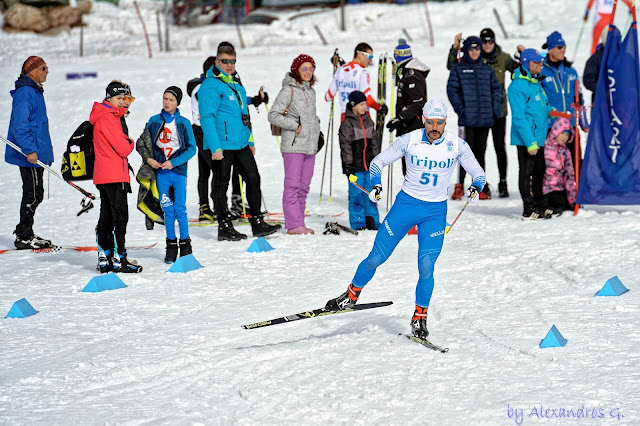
[169, 349]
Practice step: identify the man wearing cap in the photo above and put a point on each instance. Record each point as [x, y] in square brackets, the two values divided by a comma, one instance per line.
[530, 112]
[411, 80]
[476, 96]
[29, 129]
[432, 154]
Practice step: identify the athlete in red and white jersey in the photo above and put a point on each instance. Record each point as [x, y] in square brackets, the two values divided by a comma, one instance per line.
[353, 76]
[602, 18]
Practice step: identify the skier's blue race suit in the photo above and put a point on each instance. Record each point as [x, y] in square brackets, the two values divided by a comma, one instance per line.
[422, 201]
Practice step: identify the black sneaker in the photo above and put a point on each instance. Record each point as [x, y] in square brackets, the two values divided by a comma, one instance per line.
[419, 323]
[185, 247]
[31, 243]
[205, 213]
[171, 251]
[104, 262]
[260, 228]
[346, 300]
[502, 189]
[535, 215]
[226, 231]
[121, 264]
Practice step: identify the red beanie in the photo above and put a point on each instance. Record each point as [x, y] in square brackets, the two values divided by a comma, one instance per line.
[301, 59]
[32, 63]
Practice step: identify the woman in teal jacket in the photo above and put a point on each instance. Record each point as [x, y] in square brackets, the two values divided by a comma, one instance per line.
[530, 113]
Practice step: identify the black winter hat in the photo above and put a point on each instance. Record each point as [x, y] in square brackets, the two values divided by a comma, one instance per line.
[116, 88]
[175, 91]
[487, 34]
[355, 98]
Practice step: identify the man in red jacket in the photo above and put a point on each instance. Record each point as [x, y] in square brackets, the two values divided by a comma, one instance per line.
[112, 146]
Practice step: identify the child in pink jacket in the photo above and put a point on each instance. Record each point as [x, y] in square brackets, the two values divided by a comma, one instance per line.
[559, 185]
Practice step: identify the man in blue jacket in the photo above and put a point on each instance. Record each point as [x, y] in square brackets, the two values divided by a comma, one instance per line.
[29, 129]
[530, 113]
[476, 96]
[226, 128]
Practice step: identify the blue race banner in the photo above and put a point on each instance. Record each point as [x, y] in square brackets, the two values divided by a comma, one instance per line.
[611, 169]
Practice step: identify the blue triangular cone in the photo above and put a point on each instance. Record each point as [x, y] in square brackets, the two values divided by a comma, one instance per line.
[21, 309]
[185, 264]
[104, 282]
[553, 339]
[259, 245]
[613, 287]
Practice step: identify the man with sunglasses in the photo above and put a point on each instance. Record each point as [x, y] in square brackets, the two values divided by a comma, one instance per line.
[432, 154]
[476, 96]
[354, 76]
[29, 129]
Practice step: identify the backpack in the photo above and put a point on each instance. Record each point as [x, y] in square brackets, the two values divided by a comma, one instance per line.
[78, 159]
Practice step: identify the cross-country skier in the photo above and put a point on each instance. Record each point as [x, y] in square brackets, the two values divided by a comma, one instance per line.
[354, 76]
[432, 155]
[602, 18]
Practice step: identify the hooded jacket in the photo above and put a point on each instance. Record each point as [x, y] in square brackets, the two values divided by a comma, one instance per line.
[223, 101]
[187, 148]
[29, 125]
[358, 145]
[560, 86]
[474, 92]
[559, 174]
[302, 111]
[412, 94]
[529, 108]
[111, 145]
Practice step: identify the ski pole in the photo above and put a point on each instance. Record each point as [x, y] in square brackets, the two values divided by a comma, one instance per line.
[353, 179]
[575, 52]
[50, 170]
[457, 217]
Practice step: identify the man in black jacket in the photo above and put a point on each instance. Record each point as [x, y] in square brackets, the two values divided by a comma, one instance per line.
[411, 79]
[592, 67]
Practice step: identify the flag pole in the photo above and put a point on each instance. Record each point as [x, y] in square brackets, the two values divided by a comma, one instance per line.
[576, 146]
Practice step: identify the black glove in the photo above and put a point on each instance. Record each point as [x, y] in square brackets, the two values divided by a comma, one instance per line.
[336, 60]
[349, 169]
[396, 123]
[383, 109]
[257, 100]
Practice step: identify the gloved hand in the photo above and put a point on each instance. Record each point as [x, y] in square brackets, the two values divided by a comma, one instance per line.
[586, 15]
[383, 109]
[396, 123]
[349, 169]
[257, 100]
[374, 195]
[473, 194]
[336, 60]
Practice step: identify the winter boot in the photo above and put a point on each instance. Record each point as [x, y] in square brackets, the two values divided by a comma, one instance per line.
[226, 231]
[121, 264]
[458, 192]
[485, 194]
[371, 223]
[502, 189]
[104, 261]
[346, 300]
[185, 247]
[206, 213]
[33, 242]
[260, 228]
[171, 251]
[419, 323]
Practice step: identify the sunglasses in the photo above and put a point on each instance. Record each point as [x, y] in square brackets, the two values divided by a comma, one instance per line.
[129, 98]
[369, 55]
[432, 122]
[307, 69]
[561, 47]
[228, 61]
[44, 68]
[488, 41]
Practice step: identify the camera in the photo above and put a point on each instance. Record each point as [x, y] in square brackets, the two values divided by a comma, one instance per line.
[246, 120]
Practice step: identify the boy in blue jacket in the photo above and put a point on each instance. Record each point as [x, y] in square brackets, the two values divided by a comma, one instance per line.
[173, 146]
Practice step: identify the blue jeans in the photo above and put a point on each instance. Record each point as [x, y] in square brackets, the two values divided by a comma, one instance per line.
[176, 209]
[359, 204]
[406, 212]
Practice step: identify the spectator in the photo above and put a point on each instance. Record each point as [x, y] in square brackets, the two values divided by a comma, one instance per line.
[476, 96]
[29, 129]
[592, 67]
[294, 110]
[530, 113]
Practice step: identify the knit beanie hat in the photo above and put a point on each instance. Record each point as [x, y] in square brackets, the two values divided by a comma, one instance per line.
[355, 98]
[553, 40]
[32, 63]
[299, 60]
[116, 88]
[487, 34]
[175, 91]
[402, 52]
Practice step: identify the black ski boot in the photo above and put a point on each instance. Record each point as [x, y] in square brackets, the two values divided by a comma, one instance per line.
[171, 251]
[226, 231]
[205, 213]
[104, 261]
[33, 242]
[121, 264]
[346, 300]
[502, 189]
[185, 247]
[419, 323]
[260, 228]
